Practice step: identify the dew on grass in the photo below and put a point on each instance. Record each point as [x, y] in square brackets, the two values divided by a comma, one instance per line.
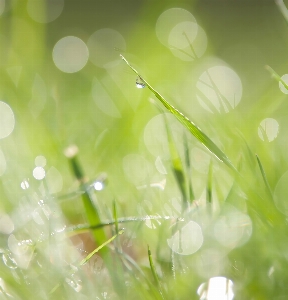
[281, 194]
[232, 228]
[187, 240]
[70, 54]
[39, 173]
[102, 44]
[9, 261]
[24, 184]
[219, 89]
[281, 85]
[168, 20]
[140, 84]
[40, 161]
[7, 120]
[3, 164]
[98, 185]
[217, 288]
[45, 11]
[6, 224]
[74, 282]
[268, 129]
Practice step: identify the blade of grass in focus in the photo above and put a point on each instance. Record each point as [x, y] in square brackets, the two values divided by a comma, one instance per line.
[93, 218]
[84, 261]
[194, 129]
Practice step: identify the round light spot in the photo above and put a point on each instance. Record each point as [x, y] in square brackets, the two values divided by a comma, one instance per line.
[70, 54]
[7, 120]
[281, 85]
[98, 185]
[40, 161]
[136, 168]
[159, 166]
[193, 49]
[155, 135]
[268, 130]
[39, 173]
[45, 11]
[104, 46]
[233, 228]
[219, 89]
[168, 20]
[281, 193]
[217, 288]
[186, 240]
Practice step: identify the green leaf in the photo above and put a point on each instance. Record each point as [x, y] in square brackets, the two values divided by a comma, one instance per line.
[193, 128]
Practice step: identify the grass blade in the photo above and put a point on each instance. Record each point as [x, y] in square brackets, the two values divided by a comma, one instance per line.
[155, 276]
[276, 76]
[84, 261]
[264, 176]
[194, 129]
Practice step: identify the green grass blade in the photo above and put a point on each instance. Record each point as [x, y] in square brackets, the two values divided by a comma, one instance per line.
[283, 9]
[155, 276]
[84, 261]
[191, 195]
[264, 176]
[276, 76]
[209, 184]
[115, 217]
[194, 129]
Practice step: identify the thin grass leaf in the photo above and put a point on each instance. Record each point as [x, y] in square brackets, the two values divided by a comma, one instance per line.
[191, 195]
[155, 276]
[84, 261]
[209, 184]
[195, 130]
[264, 176]
[115, 217]
[276, 76]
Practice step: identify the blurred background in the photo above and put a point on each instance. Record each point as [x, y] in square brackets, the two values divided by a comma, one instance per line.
[63, 83]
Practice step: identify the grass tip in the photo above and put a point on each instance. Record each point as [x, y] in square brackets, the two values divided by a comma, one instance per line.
[71, 151]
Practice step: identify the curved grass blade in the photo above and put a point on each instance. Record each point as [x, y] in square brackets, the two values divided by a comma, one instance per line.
[264, 176]
[84, 261]
[283, 9]
[194, 129]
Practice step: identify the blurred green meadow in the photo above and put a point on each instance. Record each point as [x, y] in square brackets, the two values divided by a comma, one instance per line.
[88, 149]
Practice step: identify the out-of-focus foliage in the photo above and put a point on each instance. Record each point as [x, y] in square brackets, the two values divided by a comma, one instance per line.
[212, 233]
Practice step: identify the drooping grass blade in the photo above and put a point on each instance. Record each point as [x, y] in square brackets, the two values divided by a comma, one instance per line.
[194, 129]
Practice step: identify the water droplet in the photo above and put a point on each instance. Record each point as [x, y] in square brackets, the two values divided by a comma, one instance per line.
[98, 185]
[9, 261]
[140, 84]
[24, 184]
[74, 282]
